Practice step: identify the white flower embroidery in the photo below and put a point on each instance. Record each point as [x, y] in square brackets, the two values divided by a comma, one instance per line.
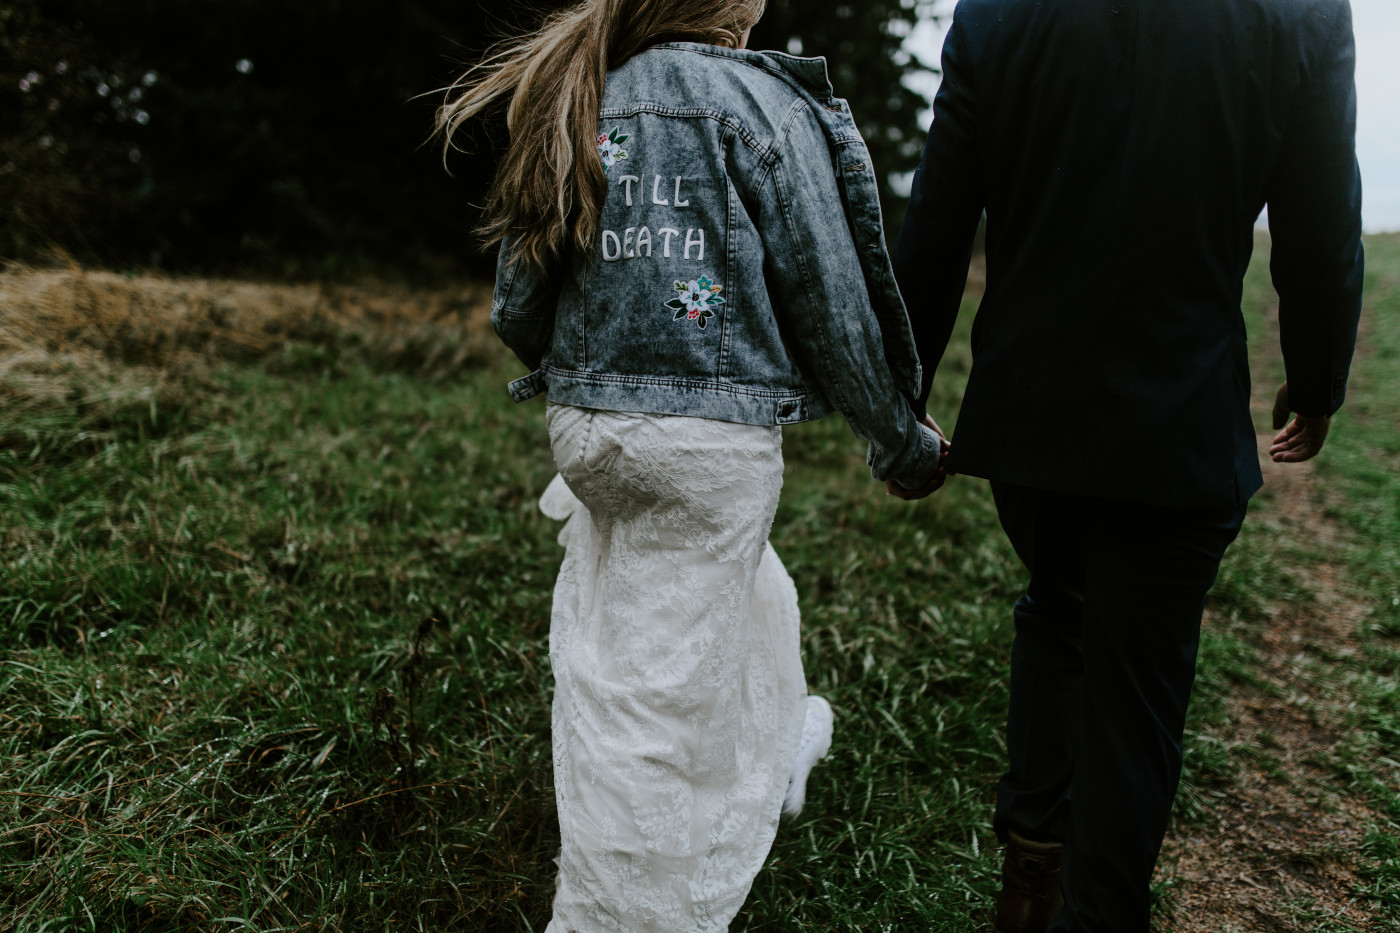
[696, 300]
[610, 148]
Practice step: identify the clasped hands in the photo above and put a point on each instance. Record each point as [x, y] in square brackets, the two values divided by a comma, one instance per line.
[939, 476]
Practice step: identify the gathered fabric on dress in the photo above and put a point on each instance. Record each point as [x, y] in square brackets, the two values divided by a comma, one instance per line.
[679, 692]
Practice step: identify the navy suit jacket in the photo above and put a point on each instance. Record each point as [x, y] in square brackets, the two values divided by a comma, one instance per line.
[1122, 151]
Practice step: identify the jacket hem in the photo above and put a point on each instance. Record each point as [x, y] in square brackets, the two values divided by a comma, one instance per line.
[739, 404]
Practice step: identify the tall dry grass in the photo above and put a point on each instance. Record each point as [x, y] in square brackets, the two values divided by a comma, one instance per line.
[56, 325]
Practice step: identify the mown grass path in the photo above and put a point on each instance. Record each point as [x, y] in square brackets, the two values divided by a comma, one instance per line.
[1294, 812]
[273, 614]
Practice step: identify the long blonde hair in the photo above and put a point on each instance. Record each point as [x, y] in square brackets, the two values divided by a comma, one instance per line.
[549, 187]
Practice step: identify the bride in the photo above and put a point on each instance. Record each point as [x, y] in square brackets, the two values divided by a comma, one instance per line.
[690, 257]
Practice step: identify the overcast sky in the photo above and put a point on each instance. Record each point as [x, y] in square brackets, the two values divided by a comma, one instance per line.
[1378, 101]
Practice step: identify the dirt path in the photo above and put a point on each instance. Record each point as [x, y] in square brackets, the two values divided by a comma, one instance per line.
[1277, 852]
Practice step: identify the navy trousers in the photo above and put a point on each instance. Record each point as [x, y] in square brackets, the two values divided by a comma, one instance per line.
[1101, 673]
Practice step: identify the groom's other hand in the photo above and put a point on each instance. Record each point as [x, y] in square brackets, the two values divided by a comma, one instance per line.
[939, 478]
[1302, 439]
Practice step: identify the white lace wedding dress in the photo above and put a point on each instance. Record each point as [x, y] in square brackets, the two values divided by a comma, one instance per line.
[679, 692]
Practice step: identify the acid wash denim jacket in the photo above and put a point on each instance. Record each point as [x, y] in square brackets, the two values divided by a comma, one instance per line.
[740, 272]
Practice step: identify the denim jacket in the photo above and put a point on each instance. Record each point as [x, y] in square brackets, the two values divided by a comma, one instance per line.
[740, 272]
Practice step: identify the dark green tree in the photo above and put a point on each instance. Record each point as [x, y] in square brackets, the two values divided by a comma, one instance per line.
[287, 138]
[863, 43]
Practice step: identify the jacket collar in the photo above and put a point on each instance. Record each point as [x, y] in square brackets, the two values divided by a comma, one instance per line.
[809, 72]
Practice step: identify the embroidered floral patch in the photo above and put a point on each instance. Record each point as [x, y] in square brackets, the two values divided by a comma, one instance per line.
[610, 148]
[695, 301]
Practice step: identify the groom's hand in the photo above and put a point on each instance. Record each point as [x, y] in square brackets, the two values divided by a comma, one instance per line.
[909, 495]
[1302, 439]
[939, 477]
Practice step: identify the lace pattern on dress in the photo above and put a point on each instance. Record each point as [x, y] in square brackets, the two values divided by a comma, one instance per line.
[679, 694]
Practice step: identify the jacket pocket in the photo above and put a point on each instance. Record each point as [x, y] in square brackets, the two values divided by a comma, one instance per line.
[528, 334]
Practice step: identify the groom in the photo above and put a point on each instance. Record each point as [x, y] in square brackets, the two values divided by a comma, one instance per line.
[1122, 150]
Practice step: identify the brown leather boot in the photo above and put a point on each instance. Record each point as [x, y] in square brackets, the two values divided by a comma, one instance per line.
[1030, 886]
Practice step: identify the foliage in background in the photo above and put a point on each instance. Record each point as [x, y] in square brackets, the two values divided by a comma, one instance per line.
[863, 43]
[248, 134]
[284, 138]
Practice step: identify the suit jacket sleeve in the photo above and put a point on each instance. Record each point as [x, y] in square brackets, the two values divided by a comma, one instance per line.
[1315, 220]
[934, 246]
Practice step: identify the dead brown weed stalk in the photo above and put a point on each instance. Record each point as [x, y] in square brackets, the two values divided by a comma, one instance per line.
[58, 323]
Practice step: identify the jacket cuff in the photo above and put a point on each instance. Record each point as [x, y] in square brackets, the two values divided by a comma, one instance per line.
[1317, 400]
[527, 387]
[916, 474]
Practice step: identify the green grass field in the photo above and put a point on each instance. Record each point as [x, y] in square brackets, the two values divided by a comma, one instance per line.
[274, 651]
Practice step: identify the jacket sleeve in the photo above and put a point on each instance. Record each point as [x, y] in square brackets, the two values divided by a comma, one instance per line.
[523, 305]
[934, 245]
[1315, 220]
[818, 289]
